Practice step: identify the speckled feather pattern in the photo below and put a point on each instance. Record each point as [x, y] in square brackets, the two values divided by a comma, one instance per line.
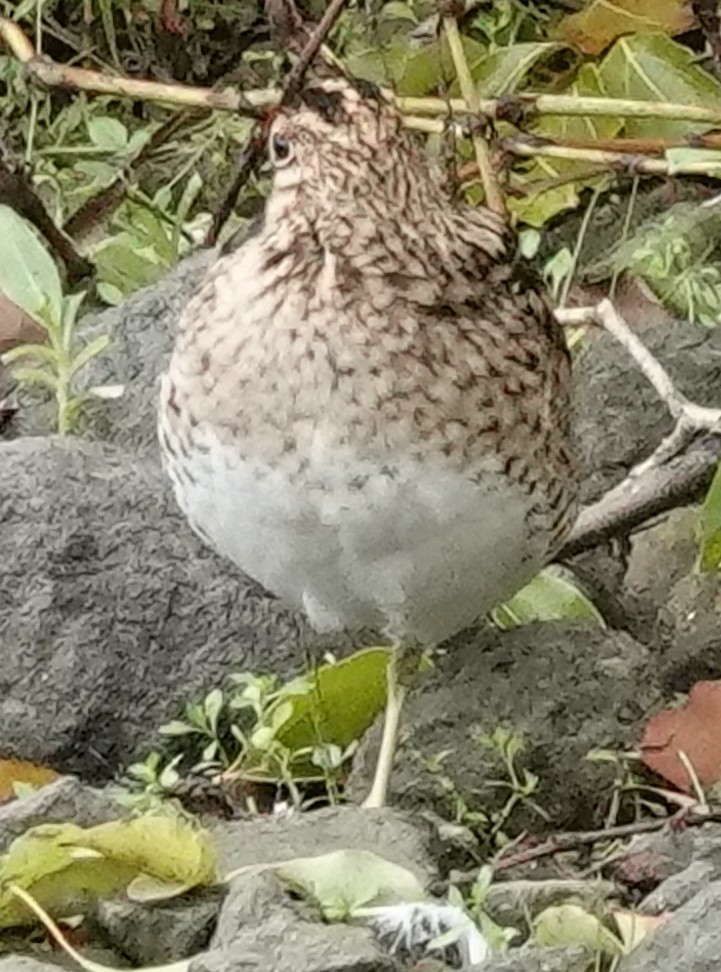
[368, 404]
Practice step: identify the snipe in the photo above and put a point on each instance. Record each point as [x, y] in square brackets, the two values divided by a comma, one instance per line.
[367, 407]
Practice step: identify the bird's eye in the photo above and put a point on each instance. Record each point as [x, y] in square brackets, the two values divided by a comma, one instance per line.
[281, 151]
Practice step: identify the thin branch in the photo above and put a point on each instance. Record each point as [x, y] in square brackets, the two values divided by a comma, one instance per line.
[575, 841]
[296, 74]
[636, 164]
[17, 192]
[692, 417]
[513, 108]
[252, 151]
[641, 496]
[518, 107]
[668, 477]
[491, 188]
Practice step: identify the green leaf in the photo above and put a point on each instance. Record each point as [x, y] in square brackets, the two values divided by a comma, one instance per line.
[96, 346]
[34, 376]
[396, 10]
[539, 204]
[336, 704]
[551, 596]
[213, 706]
[503, 70]
[345, 880]
[40, 352]
[65, 867]
[569, 925]
[177, 728]
[652, 67]
[702, 161]
[28, 275]
[108, 134]
[710, 539]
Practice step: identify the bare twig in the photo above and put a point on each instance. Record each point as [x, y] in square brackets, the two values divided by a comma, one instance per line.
[515, 108]
[296, 74]
[668, 477]
[575, 841]
[252, 151]
[512, 108]
[691, 419]
[489, 181]
[634, 164]
[17, 192]
[642, 496]
[249, 160]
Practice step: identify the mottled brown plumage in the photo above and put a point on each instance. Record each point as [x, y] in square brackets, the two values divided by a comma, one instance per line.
[367, 408]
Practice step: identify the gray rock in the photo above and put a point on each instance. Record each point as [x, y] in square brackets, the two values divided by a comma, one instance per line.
[620, 418]
[118, 614]
[154, 934]
[538, 960]
[141, 332]
[566, 689]
[24, 963]
[396, 836]
[515, 903]
[254, 900]
[661, 555]
[261, 928]
[655, 858]
[676, 890]
[689, 941]
[689, 632]
[64, 801]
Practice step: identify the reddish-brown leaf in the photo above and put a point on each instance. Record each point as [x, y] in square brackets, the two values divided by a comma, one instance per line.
[695, 730]
[598, 25]
[16, 327]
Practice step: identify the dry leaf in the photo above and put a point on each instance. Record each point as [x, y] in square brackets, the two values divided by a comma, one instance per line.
[593, 29]
[14, 771]
[694, 730]
[633, 928]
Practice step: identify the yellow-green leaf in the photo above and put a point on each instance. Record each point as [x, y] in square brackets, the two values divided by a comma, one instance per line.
[539, 204]
[551, 596]
[710, 539]
[65, 867]
[169, 848]
[652, 67]
[569, 925]
[342, 881]
[503, 70]
[336, 704]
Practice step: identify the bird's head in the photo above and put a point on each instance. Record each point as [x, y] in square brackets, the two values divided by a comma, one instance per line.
[339, 142]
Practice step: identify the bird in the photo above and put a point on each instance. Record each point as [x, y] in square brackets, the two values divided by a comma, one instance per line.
[368, 408]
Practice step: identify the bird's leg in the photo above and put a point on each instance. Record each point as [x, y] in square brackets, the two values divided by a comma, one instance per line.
[396, 693]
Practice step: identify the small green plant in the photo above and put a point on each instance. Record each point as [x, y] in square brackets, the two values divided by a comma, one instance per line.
[679, 258]
[519, 784]
[282, 733]
[30, 279]
[629, 796]
[498, 937]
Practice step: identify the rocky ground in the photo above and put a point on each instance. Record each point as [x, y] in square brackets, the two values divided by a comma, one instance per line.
[113, 615]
